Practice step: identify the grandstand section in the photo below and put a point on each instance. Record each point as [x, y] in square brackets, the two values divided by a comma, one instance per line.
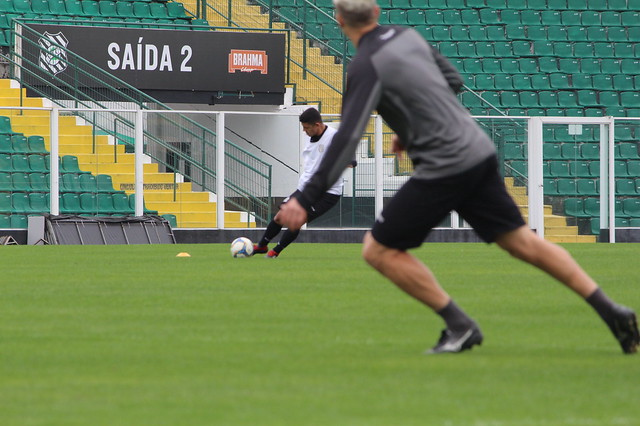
[97, 175]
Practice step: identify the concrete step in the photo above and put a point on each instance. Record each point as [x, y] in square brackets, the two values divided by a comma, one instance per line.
[571, 238]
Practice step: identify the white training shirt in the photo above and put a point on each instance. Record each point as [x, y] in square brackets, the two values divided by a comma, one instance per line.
[312, 156]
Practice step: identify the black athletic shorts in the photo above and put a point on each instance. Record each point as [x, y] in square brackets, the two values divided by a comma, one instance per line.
[478, 195]
[320, 207]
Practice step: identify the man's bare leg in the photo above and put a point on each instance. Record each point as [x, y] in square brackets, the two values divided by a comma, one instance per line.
[417, 280]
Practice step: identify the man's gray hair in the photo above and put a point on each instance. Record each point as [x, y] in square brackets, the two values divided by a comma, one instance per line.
[356, 13]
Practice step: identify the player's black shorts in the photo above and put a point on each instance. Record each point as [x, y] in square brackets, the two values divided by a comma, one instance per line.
[478, 195]
[320, 207]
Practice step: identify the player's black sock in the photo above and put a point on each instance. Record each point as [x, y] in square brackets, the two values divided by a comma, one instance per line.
[455, 318]
[602, 304]
[287, 238]
[272, 230]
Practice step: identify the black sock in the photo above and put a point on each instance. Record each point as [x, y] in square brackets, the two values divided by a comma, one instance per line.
[287, 238]
[602, 304]
[272, 230]
[455, 318]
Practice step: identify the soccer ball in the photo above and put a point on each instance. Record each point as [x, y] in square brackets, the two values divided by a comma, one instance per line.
[241, 247]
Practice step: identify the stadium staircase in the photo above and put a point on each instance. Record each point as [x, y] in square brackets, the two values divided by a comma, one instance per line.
[91, 181]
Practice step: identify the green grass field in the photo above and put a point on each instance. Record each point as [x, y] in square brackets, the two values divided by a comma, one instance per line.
[135, 336]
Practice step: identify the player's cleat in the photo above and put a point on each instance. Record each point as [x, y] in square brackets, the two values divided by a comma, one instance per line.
[457, 341]
[272, 254]
[624, 327]
[257, 249]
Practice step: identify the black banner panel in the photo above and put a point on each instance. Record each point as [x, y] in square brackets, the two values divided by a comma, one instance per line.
[170, 65]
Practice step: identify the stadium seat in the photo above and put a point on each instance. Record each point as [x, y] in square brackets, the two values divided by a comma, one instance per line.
[121, 204]
[514, 151]
[580, 169]
[631, 207]
[69, 164]
[20, 202]
[107, 9]
[588, 187]
[552, 151]
[39, 202]
[39, 182]
[20, 163]
[70, 182]
[5, 221]
[627, 151]
[6, 147]
[171, 218]
[132, 202]
[574, 207]
[626, 187]
[19, 221]
[37, 163]
[74, 7]
[489, 16]
[550, 186]
[36, 144]
[5, 127]
[5, 182]
[570, 151]
[70, 203]
[558, 169]
[20, 182]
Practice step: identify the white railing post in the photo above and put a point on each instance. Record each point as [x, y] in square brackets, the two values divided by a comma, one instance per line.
[54, 169]
[139, 165]
[220, 171]
[379, 170]
[535, 181]
[610, 188]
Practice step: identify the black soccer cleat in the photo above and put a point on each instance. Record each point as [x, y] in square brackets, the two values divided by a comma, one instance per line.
[624, 327]
[257, 249]
[457, 341]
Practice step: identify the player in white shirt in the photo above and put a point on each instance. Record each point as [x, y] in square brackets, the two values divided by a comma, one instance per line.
[320, 136]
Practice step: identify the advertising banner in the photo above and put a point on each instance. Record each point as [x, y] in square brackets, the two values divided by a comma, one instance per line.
[168, 64]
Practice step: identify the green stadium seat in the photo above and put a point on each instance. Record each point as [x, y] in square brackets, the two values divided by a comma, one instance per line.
[551, 17]
[104, 204]
[557, 33]
[509, 65]
[39, 202]
[624, 50]
[550, 186]
[509, 99]
[540, 81]
[485, 49]
[633, 166]
[5, 127]
[610, 66]
[522, 48]
[630, 99]
[69, 164]
[519, 168]
[20, 163]
[574, 207]
[448, 48]
[620, 168]
[441, 33]
[491, 65]
[197, 24]
[6, 147]
[552, 151]
[522, 82]
[452, 17]
[617, 4]
[514, 151]
[5, 221]
[515, 32]
[626, 150]
[570, 151]
[469, 16]
[124, 9]
[434, 17]
[20, 182]
[591, 207]
[70, 203]
[19, 221]
[571, 17]
[73, 7]
[548, 64]
[104, 183]
[477, 33]
[530, 17]
[588, 187]
[528, 65]
[503, 50]
[121, 204]
[626, 187]
[590, 17]
[579, 169]
[559, 169]
[630, 18]
[510, 16]
[601, 82]
[416, 17]
[587, 98]
[497, 4]
[5, 202]
[171, 218]
[5, 182]
[529, 99]
[629, 66]
[631, 207]
[476, 4]
[89, 203]
[20, 202]
[466, 49]
[397, 17]
[132, 202]
[39, 182]
[593, 112]
[617, 34]
[489, 16]
[36, 144]
[70, 182]
[495, 32]
[622, 82]
[559, 81]
[460, 33]
[5, 163]
[107, 9]
[40, 7]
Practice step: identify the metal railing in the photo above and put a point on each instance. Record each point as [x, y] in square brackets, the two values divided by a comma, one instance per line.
[93, 88]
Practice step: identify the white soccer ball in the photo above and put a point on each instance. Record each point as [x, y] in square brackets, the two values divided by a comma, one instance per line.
[241, 247]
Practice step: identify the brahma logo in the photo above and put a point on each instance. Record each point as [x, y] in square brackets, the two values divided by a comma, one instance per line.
[53, 57]
[248, 61]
